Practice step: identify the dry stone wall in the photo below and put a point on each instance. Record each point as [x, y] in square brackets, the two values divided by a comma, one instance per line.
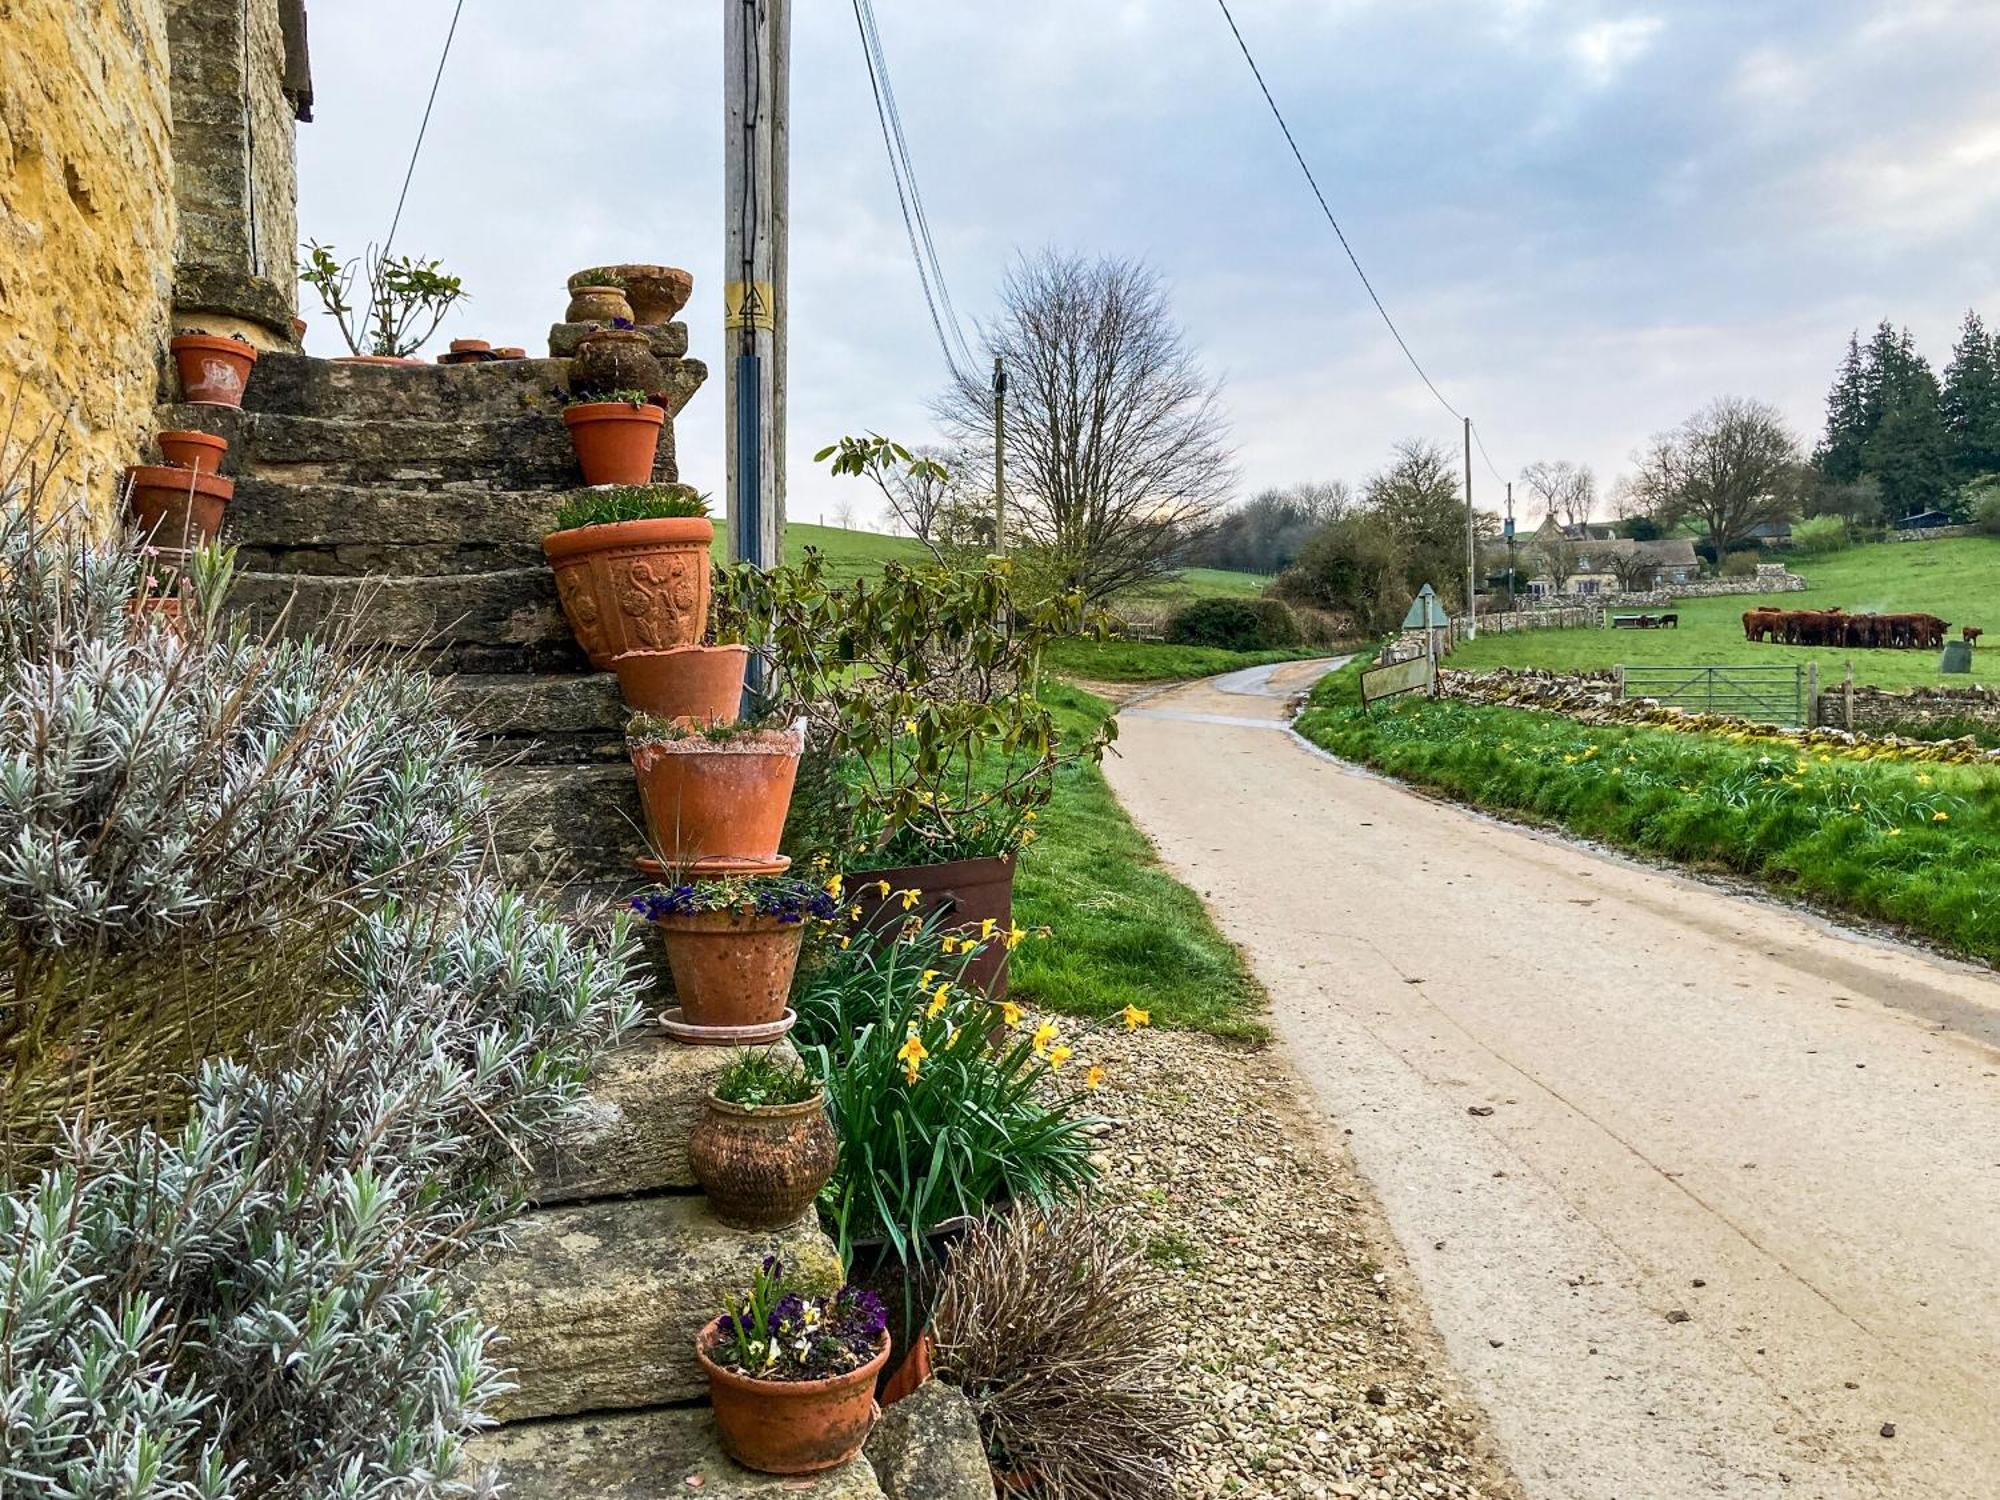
[1871, 708]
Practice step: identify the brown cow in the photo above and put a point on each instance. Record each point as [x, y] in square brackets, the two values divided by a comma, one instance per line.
[1761, 623]
[1971, 634]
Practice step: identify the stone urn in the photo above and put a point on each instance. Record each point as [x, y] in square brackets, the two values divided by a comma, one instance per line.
[762, 1166]
[615, 359]
[598, 304]
[657, 293]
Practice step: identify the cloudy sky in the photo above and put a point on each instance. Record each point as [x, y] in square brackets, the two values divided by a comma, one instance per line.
[1587, 217]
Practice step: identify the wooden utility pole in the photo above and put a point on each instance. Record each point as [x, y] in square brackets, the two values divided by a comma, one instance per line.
[999, 456]
[756, 149]
[1471, 557]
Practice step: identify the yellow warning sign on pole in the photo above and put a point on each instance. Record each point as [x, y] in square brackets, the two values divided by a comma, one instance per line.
[749, 304]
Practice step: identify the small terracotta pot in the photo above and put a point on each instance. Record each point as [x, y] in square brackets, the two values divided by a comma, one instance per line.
[761, 1168]
[164, 611]
[615, 359]
[731, 968]
[615, 443]
[633, 585]
[178, 507]
[965, 892]
[597, 304]
[911, 1373]
[695, 684]
[657, 293]
[200, 451]
[402, 361]
[722, 804]
[790, 1426]
[213, 370]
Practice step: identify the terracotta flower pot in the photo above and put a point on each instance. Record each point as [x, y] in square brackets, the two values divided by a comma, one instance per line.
[790, 1426]
[761, 1168]
[200, 451]
[633, 585]
[213, 370]
[164, 611]
[597, 304]
[697, 684]
[968, 892]
[615, 359]
[719, 806]
[731, 968]
[657, 293]
[178, 507]
[615, 443]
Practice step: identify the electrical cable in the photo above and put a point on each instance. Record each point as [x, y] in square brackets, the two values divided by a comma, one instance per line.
[410, 172]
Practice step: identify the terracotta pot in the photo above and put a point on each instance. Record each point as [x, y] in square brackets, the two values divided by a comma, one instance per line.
[164, 611]
[615, 443]
[722, 804]
[657, 293]
[761, 1168]
[200, 451]
[697, 684]
[213, 370]
[633, 585]
[597, 304]
[966, 891]
[401, 360]
[615, 359]
[731, 968]
[913, 1372]
[178, 507]
[790, 1426]
[299, 332]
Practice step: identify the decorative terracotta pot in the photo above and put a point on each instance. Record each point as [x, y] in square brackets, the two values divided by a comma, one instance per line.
[178, 507]
[597, 304]
[615, 443]
[761, 1168]
[200, 451]
[718, 806]
[790, 1426]
[615, 359]
[213, 370]
[968, 892]
[698, 684]
[657, 293]
[633, 585]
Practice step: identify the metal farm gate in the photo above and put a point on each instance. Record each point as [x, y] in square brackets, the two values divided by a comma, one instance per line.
[1769, 695]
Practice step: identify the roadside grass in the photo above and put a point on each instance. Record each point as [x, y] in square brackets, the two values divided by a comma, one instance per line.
[1198, 583]
[1910, 843]
[1957, 579]
[1126, 932]
[1157, 661]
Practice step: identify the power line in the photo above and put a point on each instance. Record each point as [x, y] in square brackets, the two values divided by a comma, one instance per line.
[423, 127]
[1339, 234]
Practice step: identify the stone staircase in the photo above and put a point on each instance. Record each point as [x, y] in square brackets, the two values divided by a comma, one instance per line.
[419, 497]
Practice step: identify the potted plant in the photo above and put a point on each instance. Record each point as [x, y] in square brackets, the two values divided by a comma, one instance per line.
[213, 370]
[200, 451]
[599, 300]
[657, 293]
[732, 948]
[763, 1147]
[177, 507]
[792, 1377]
[715, 797]
[632, 568]
[616, 437]
[407, 300]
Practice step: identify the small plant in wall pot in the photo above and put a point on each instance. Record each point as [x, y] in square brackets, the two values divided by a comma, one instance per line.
[616, 436]
[733, 947]
[763, 1147]
[632, 568]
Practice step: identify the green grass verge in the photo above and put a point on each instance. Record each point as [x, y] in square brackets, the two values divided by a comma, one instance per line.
[1198, 583]
[1957, 579]
[1125, 931]
[1156, 661]
[1902, 841]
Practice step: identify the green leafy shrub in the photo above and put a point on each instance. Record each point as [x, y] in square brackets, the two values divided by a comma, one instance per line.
[1741, 564]
[1818, 536]
[1058, 1330]
[628, 502]
[1982, 503]
[1234, 624]
[407, 298]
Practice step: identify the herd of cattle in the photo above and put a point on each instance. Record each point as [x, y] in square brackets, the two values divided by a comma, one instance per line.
[1836, 627]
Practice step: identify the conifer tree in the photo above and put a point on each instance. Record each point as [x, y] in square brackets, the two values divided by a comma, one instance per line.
[1970, 403]
[1906, 449]
[1838, 457]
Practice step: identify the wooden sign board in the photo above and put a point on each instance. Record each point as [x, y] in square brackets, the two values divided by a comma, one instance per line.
[1412, 676]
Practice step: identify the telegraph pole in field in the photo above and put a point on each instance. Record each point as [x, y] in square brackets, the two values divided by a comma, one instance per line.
[1471, 554]
[756, 69]
[999, 456]
[1512, 601]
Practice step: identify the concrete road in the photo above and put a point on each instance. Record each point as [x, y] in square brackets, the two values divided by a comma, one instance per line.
[1701, 1192]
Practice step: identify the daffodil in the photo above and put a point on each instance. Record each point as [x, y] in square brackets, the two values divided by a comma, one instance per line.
[1045, 1034]
[1057, 1057]
[926, 979]
[910, 898]
[911, 1056]
[986, 929]
[1940, 816]
[1895, 833]
[834, 887]
[1014, 937]
[938, 1001]
[1094, 1078]
[1011, 1014]
[1134, 1017]
[882, 889]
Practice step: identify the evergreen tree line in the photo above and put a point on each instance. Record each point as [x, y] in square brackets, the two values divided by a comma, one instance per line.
[1894, 429]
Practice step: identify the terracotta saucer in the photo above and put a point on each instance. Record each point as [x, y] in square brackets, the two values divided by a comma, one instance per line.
[725, 1036]
[718, 868]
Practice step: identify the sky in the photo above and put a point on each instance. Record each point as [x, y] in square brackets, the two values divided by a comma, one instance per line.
[1587, 219]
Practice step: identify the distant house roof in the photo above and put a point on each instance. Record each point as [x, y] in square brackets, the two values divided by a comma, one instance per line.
[1604, 556]
[1923, 520]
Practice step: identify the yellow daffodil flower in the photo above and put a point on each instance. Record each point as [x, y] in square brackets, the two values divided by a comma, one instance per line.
[834, 887]
[1940, 816]
[1134, 1017]
[1014, 937]
[912, 1056]
[910, 898]
[1057, 1057]
[938, 1001]
[1011, 1014]
[986, 929]
[882, 889]
[1095, 1077]
[1045, 1034]
[926, 979]
[1895, 833]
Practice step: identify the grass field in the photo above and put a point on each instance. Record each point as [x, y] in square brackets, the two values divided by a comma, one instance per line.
[1958, 579]
[1198, 583]
[1910, 843]
[1126, 932]
[1158, 661]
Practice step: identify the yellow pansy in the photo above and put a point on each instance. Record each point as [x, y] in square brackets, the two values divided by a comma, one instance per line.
[1134, 1017]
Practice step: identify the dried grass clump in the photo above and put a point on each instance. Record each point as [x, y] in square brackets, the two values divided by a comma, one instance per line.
[1056, 1328]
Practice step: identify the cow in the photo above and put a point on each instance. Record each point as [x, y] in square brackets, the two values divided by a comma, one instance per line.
[1759, 624]
[1971, 634]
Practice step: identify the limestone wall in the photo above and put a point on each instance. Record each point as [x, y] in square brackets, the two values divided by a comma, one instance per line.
[86, 223]
[1917, 710]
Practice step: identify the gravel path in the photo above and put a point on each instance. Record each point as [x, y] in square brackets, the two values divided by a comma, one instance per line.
[1314, 1369]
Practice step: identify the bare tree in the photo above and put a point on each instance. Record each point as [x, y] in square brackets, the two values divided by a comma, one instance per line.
[1568, 491]
[1558, 557]
[1730, 467]
[919, 494]
[1634, 569]
[1116, 447]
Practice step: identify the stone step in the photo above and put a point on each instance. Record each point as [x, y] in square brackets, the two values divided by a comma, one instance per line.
[301, 386]
[544, 720]
[598, 1304]
[558, 827]
[350, 530]
[505, 620]
[645, 1455]
[632, 1134]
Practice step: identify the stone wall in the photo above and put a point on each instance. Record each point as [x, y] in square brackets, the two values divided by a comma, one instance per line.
[86, 224]
[1769, 579]
[1872, 708]
[1933, 533]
